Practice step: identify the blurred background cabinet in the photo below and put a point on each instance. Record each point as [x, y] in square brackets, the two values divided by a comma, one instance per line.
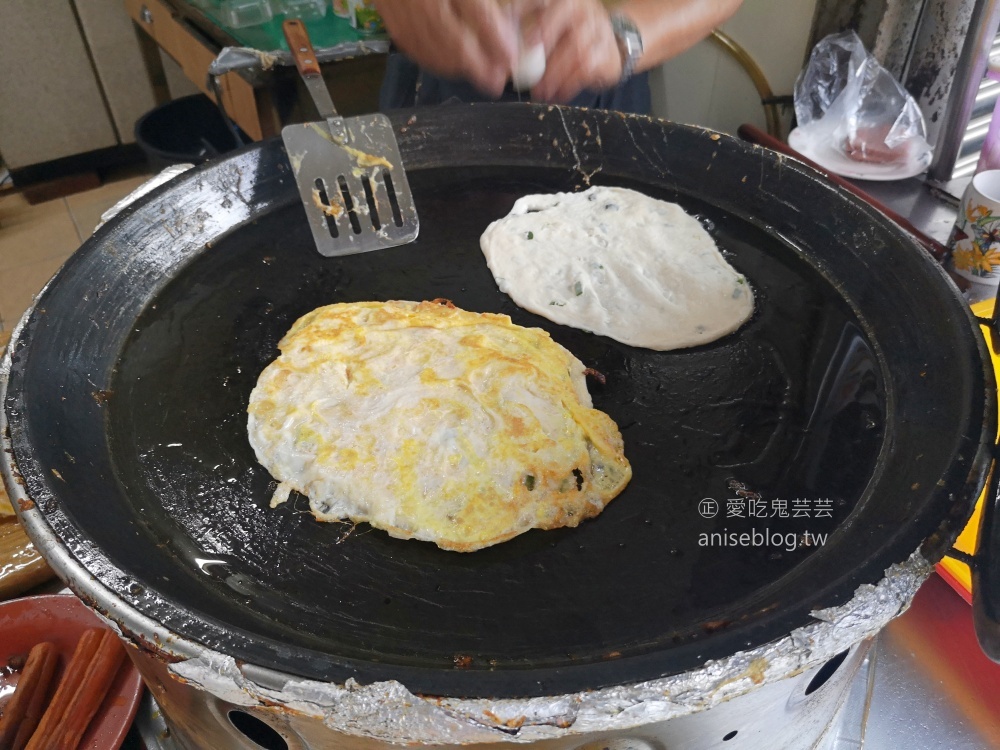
[76, 75]
[72, 84]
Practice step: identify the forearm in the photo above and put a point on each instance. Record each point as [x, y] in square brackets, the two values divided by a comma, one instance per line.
[472, 39]
[669, 27]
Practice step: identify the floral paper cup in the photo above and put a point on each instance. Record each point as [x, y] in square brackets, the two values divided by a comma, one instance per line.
[975, 239]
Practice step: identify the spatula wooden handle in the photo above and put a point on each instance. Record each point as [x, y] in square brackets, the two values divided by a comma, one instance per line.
[301, 47]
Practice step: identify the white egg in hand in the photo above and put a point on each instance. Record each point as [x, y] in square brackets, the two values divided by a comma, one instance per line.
[530, 67]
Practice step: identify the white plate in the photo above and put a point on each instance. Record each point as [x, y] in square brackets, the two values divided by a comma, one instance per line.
[832, 159]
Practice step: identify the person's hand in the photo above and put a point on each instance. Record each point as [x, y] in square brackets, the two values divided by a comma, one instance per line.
[581, 49]
[471, 39]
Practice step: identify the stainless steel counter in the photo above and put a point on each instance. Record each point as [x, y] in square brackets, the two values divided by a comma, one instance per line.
[931, 210]
[926, 684]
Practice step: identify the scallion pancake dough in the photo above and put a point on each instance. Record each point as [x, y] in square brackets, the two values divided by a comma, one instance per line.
[620, 264]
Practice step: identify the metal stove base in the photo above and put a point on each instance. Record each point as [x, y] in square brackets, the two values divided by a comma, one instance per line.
[923, 684]
[775, 715]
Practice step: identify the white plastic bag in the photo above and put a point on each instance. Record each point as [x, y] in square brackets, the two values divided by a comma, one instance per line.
[850, 108]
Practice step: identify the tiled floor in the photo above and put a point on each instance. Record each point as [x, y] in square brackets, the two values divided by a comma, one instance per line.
[36, 240]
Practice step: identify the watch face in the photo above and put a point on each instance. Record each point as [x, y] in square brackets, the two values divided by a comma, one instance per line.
[634, 42]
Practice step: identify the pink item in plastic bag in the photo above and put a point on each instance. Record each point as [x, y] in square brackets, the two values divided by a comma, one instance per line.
[845, 100]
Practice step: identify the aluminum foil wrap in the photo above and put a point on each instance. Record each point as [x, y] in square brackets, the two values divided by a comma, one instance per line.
[387, 711]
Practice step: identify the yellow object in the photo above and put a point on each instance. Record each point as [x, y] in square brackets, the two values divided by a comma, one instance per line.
[434, 423]
[6, 509]
[959, 572]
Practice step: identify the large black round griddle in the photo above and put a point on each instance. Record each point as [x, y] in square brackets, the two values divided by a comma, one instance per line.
[854, 404]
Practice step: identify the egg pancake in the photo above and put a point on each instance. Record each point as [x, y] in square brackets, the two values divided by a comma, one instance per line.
[618, 263]
[434, 423]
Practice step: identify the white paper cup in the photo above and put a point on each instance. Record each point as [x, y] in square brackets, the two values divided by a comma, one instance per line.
[975, 238]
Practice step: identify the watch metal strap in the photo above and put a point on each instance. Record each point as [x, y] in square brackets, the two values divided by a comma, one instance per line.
[629, 43]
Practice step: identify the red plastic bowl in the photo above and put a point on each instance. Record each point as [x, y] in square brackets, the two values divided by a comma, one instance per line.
[61, 619]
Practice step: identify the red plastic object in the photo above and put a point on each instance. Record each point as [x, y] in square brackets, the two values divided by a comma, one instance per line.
[61, 619]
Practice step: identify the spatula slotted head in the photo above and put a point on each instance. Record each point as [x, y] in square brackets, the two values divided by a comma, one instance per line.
[355, 193]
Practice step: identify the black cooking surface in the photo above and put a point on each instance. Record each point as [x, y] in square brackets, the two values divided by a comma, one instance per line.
[692, 421]
[790, 426]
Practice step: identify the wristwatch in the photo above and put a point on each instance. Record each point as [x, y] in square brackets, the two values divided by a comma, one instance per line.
[629, 43]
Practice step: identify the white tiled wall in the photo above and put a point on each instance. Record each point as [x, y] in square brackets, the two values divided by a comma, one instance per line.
[705, 86]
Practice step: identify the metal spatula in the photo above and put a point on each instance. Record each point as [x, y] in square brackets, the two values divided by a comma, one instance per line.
[349, 172]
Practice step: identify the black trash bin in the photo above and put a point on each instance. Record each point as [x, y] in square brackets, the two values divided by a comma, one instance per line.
[186, 130]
